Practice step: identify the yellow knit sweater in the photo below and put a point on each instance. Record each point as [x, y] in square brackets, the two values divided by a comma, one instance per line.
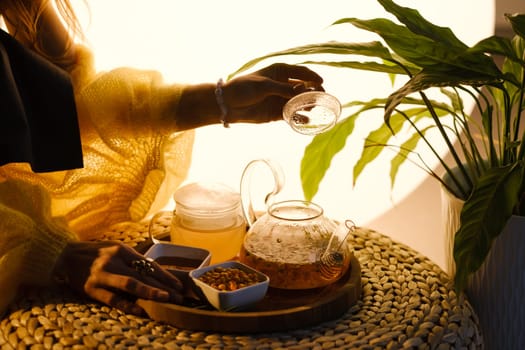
[134, 159]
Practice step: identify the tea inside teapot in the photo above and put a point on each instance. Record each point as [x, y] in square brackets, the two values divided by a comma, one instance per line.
[287, 243]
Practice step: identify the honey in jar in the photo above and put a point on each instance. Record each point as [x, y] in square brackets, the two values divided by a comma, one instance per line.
[209, 216]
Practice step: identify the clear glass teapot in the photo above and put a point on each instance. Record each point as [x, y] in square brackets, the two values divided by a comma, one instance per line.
[293, 242]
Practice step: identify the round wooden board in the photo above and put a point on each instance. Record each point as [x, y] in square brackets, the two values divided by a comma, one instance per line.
[280, 310]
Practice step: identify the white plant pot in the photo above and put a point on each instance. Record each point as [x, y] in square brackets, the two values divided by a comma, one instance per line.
[497, 289]
[450, 210]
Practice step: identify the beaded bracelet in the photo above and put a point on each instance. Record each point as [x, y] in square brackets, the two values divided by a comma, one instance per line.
[220, 101]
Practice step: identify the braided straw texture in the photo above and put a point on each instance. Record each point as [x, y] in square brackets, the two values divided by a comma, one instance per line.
[407, 303]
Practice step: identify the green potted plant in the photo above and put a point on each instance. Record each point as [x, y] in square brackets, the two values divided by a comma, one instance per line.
[488, 175]
[487, 156]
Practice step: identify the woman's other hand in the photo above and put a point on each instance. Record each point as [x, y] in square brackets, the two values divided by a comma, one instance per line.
[105, 272]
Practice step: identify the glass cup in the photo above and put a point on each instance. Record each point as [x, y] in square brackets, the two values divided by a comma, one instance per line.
[312, 112]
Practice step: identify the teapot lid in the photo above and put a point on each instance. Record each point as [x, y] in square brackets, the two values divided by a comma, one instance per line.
[204, 196]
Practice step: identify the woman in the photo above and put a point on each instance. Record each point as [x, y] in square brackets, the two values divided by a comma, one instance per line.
[82, 150]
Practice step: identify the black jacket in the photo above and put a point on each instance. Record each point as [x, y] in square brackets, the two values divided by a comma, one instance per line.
[38, 119]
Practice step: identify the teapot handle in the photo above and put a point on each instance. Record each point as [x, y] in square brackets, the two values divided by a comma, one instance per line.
[246, 179]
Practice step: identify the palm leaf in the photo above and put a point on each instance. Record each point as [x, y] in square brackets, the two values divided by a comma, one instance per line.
[369, 66]
[484, 215]
[407, 147]
[379, 139]
[424, 51]
[427, 79]
[371, 49]
[319, 153]
[413, 20]
[517, 21]
[497, 46]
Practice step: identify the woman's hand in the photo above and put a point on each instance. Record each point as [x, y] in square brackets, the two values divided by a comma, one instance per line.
[260, 96]
[104, 271]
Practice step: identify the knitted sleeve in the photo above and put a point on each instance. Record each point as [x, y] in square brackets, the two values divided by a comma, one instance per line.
[30, 239]
[134, 157]
[133, 154]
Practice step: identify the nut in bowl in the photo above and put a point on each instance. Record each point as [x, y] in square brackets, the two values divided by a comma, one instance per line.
[231, 285]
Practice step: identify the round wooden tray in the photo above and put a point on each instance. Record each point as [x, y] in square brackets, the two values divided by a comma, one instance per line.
[280, 310]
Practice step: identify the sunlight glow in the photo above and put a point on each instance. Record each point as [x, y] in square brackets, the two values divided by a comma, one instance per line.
[203, 40]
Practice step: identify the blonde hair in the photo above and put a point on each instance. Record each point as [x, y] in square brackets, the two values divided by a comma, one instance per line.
[28, 13]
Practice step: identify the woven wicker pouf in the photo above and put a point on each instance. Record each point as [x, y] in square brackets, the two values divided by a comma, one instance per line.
[407, 302]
